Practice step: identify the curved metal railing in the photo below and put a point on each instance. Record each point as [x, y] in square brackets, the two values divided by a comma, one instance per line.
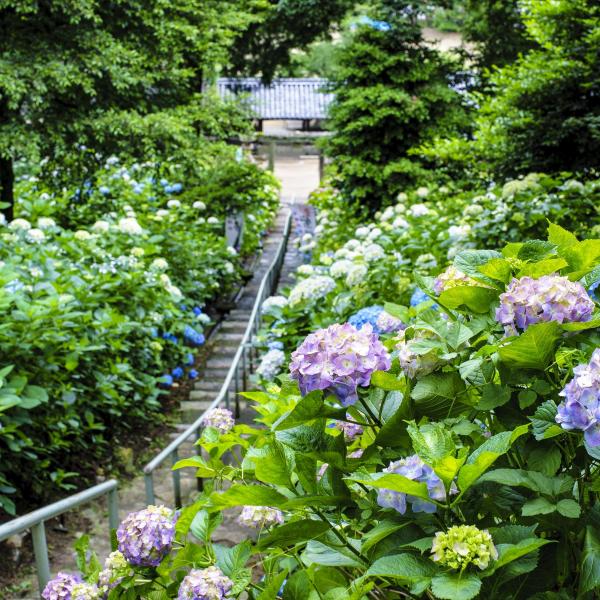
[241, 366]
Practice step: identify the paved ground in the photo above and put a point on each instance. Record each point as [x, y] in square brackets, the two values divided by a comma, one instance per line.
[299, 176]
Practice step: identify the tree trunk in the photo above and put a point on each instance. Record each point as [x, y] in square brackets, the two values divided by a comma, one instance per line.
[7, 180]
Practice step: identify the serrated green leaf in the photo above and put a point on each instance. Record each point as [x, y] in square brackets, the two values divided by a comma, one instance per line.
[533, 349]
[455, 586]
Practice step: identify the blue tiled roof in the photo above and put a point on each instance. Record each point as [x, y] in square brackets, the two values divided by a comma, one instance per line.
[285, 98]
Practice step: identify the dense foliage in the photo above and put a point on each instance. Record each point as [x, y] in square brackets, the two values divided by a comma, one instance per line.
[102, 294]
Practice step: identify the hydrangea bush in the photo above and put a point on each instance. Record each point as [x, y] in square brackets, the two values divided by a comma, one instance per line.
[103, 288]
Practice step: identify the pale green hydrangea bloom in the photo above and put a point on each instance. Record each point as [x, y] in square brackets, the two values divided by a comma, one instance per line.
[463, 545]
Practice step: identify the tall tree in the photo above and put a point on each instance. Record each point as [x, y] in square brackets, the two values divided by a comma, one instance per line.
[267, 45]
[64, 64]
[392, 93]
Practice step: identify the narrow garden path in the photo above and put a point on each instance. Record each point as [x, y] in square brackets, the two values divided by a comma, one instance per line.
[299, 176]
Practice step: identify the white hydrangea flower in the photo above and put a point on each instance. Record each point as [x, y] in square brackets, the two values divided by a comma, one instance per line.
[159, 264]
[307, 237]
[374, 234]
[201, 221]
[373, 252]
[312, 288]
[422, 192]
[82, 235]
[36, 235]
[426, 261]
[325, 259]
[162, 212]
[362, 232]
[203, 318]
[199, 205]
[35, 272]
[173, 204]
[273, 302]
[270, 364]
[101, 226]
[229, 268]
[459, 232]
[22, 224]
[352, 245]
[305, 270]
[46, 223]
[231, 251]
[340, 268]
[400, 223]
[400, 208]
[212, 221]
[356, 275]
[319, 229]
[387, 214]
[130, 226]
[138, 252]
[419, 210]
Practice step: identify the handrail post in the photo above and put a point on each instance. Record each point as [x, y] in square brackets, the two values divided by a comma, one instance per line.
[149, 485]
[199, 480]
[237, 391]
[176, 474]
[113, 510]
[40, 551]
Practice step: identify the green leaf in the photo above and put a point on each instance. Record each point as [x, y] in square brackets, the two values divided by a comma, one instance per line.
[382, 530]
[437, 395]
[251, 495]
[272, 586]
[471, 261]
[405, 568]
[535, 250]
[493, 396]
[569, 508]
[544, 421]
[204, 523]
[590, 562]
[272, 463]
[387, 381]
[202, 469]
[477, 299]
[394, 482]
[543, 267]
[532, 480]
[561, 237]
[398, 311]
[432, 441]
[455, 586]
[394, 411]
[309, 408]
[484, 456]
[537, 506]
[293, 533]
[321, 554]
[508, 553]
[232, 560]
[498, 269]
[533, 349]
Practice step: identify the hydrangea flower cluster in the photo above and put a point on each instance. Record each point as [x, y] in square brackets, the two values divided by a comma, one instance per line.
[451, 278]
[85, 591]
[270, 364]
[416, 363]
[273, 303]
[311, 289]
[418, 297]
[115, 569]
[61, 587]
[259, 517]
[339, 359]
[145, 537]
[380, 320]
[581, 407]
[463, 545]
[193, 337]
[549, 298]
[412, 467]
[219, 418]
[205, 584]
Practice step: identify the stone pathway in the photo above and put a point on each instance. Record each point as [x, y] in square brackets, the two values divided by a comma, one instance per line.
[299, 177]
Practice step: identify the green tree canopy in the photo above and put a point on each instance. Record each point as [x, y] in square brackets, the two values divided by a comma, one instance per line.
[392, 93]
[66, 64]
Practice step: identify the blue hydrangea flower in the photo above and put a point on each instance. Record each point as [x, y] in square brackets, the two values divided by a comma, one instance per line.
[275, 345]
[369, 315]
[418, 297]
[197, 311]
[105, 191]
[164, 182]
[183, 307]
[412, 467]
[177, 372]
[176, 188]
[594, 292]
[189, 359]
[193, 337]
[193, 374]
[167, 380]
[170, 337]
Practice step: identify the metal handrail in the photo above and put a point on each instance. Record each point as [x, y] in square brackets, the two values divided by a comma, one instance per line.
[34, 521]
[242, 358]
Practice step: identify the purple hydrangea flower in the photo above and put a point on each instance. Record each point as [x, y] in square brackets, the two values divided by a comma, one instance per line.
[414, 362]
[387, 323]
[413, 468]
[549, 298]
[219, 418]
[205, 584]
[145, 537]
[351, 430]
[581, 407]
[258, 517]
[338, 360]
[61, 587]
[116, 568]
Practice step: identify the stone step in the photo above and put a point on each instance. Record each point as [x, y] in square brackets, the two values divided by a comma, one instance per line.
[240, 314]
[190, 410]
[208, 385]
[217, 363]
[203, 395]
[217, 374]
[233, 326]
[228, 338]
